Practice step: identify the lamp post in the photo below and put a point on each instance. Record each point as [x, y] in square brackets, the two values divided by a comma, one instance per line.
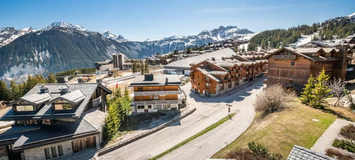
[229, 110]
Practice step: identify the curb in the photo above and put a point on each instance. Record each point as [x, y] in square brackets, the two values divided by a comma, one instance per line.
[142, 135]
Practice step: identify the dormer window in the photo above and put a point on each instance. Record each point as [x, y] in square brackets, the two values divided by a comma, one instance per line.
[24, 108]
[60, 105]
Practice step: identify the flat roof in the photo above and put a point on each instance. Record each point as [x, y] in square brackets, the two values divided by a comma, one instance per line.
[158, 80]
[185, 63]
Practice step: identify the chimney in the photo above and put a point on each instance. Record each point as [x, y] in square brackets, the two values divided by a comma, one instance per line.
[213, 59]
[80, 80]
[98, 80]
[44, 89]
[63, 90]
[148, 77]
[166, 81]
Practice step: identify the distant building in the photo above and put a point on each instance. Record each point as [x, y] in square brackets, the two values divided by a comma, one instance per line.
[154, 93]
[183, 66]
[118, 61]
[54, 120]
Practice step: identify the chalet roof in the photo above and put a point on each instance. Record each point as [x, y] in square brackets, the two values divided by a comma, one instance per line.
[74, 97]
[218, 72]
[206, 71]
[328, 50]
[105, 62]
[36, 135]
[304, 52]
[37, 98]
[185, 63]
[298, 153]
[76, 93]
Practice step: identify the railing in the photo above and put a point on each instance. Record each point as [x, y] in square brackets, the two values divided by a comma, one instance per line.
[96, 102]
[150, 93]
[154, 102]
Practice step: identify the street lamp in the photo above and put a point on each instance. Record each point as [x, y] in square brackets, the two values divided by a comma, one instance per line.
[229, 110]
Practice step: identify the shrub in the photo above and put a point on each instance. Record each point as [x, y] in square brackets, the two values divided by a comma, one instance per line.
[348, 131]
[344, 144]
[338, 155]
[273, 99]
[244, 154]
[263, 151]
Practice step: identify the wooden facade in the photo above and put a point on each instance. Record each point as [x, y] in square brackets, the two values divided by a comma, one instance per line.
[292, 67]
[215, 77]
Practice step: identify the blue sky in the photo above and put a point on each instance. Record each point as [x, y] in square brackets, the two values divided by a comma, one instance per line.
[155, 19]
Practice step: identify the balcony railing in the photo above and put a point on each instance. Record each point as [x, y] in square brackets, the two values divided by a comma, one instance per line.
[151, 93]
[155, 102]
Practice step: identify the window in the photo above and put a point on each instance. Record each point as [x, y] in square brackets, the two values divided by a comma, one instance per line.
[292, 63]
[46, 121]
[198, 83]
[24, 108]
[140, 107]
[47, 154]
[62, 106]
[60, 150]
[54, 152]
[149, 106]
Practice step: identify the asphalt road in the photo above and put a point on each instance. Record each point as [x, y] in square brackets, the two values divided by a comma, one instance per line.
[209, 110]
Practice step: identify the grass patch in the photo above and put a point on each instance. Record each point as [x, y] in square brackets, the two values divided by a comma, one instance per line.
[209, 128]
[344, 113]
[281, 131]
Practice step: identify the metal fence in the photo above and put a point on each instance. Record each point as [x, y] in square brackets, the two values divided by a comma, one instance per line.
[139, 136]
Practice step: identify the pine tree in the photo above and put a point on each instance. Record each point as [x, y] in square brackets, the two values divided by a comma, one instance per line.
[51, 78]
[15, 91]
[307, 94]
[134, 67]
[146, 69]
[321, 90]
[4, 92]
[142, 68]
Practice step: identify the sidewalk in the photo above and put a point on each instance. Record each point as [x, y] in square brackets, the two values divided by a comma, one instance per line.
[326, 140]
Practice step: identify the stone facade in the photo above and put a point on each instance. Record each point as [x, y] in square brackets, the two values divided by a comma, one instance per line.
[38, 152]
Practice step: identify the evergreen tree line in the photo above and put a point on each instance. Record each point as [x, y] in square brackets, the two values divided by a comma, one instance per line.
[118, 108]
[16, 91]
[81, 71]
[278, 37]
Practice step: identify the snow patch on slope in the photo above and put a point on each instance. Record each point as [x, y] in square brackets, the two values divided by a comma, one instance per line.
[19, 73]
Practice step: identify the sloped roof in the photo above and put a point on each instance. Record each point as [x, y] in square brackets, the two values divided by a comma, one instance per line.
[185, 63]
[86, 89]
[75, 96]
[37, 98]
[299, 153]
[206, 71]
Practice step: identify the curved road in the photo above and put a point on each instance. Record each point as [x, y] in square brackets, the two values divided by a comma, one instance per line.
[209, 110]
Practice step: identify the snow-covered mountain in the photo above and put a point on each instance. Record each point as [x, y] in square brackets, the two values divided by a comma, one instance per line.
[64, 25]
[62, 46]
[9, 34]
[109, 35]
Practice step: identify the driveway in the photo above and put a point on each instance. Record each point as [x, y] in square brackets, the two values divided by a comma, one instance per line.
[209, 110]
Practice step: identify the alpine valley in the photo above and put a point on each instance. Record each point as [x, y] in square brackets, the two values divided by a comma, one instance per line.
[62, 46]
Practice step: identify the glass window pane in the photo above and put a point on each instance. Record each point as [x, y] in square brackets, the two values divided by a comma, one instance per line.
[54, 152]
[24, 108]
[62, 106]
[46, 152]
[60, 150]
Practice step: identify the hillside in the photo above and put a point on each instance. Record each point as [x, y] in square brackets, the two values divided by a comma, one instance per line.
[339, 27]
[62, 46]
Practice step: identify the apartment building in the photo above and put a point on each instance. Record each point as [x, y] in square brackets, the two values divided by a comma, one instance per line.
[217, 76]
[154, 93]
